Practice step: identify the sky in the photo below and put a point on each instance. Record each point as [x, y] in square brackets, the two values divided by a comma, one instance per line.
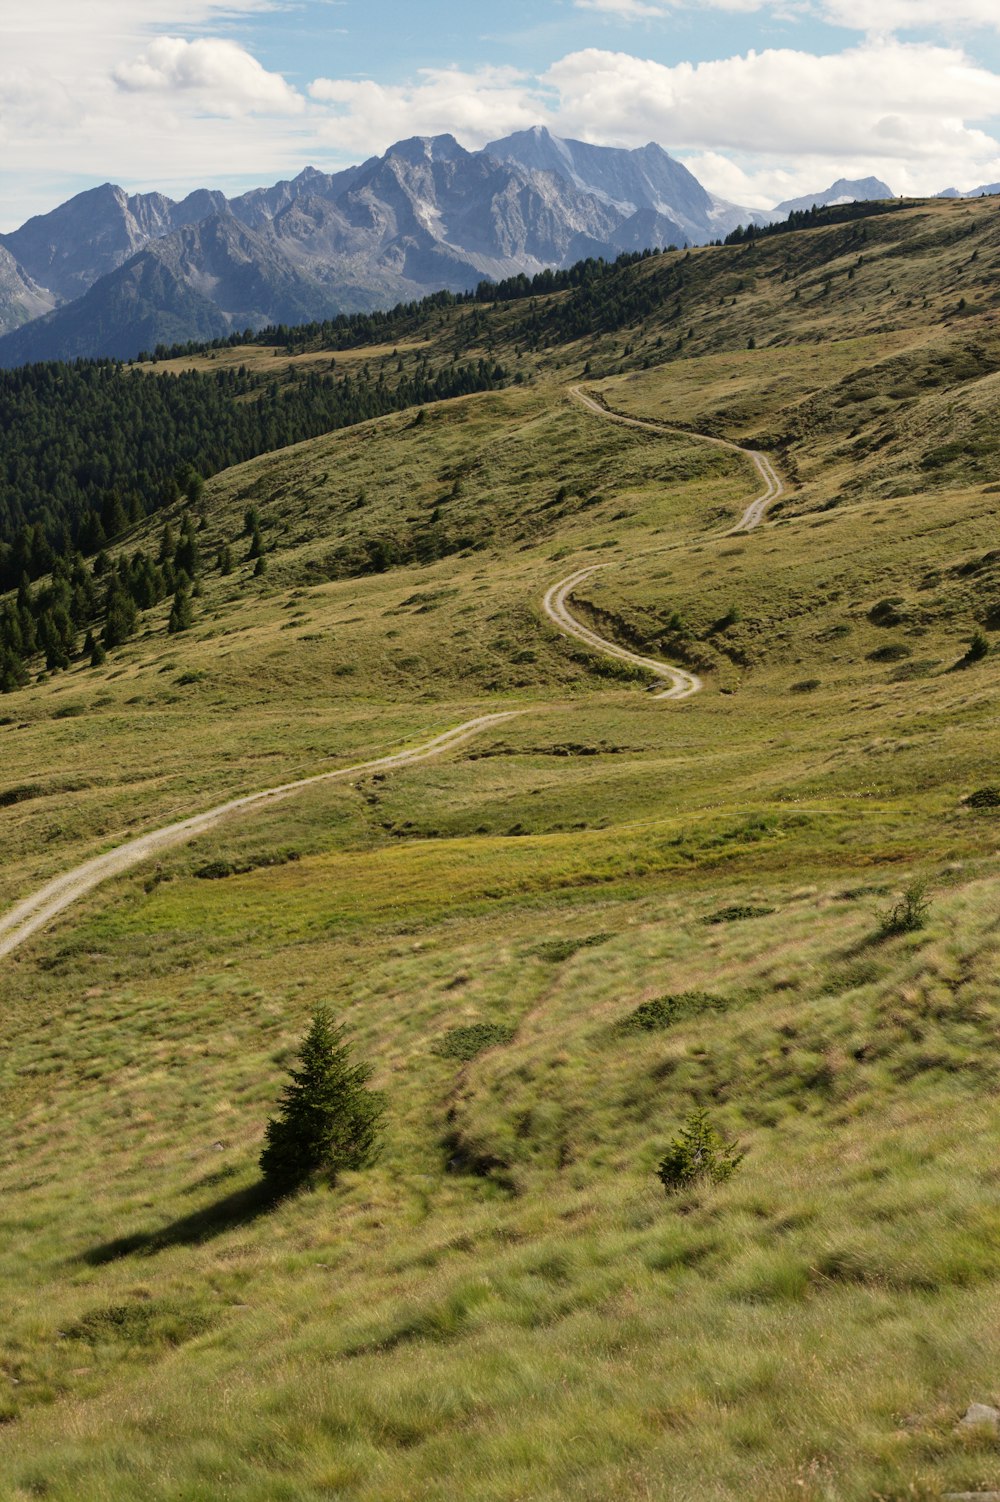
[762, 99]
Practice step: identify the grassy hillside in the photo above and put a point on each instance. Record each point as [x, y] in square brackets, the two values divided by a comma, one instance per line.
[507, 1305]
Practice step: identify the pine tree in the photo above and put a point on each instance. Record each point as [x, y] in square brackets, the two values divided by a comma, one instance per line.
[329, 1119]
[93, 649]
[181, 614]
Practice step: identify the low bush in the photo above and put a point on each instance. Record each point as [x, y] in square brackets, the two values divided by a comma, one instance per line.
[907, 915]
[217, 870]
[893, 652]
[983, 798]
[147, 1323]
[555, 951]
[664, 1011]
[737, 912]
[888, 612]
[466, 1042]
[917, 667]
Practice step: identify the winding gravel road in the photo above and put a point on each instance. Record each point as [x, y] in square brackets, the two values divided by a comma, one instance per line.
[683, 685]
[755, 512]
[38, 910]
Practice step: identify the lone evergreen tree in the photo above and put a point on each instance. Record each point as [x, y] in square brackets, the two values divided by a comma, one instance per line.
[698, 1152]
[329, 1119]
[181, 615]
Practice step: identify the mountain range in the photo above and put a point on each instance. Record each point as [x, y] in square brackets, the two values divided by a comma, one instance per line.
[108, 273]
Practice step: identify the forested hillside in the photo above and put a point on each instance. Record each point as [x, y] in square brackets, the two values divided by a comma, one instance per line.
[90, 448]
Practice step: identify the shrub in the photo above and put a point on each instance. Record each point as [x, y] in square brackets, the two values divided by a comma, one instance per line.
[908, 915]
[977, 650]
[981, 798]
[738, 911]
[894, 652]
[917, 667]
[664, 1011]
[698, 1152]
[466, 1042]
[329, 1120]
[555, 951]
[888, 612]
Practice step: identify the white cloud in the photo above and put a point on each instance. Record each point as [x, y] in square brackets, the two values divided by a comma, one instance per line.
[227, 79]
[883, 16]
[756, 128]
[476, 107]
[881, 100]
[152, 95]
[873, 17]
[628, 10]
[91, 92]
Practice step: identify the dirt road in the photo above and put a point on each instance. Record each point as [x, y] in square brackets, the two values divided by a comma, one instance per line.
[37, 910]
[757, 509]
[682, 683]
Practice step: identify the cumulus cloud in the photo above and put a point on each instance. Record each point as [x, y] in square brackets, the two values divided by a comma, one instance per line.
[154, 95]
[757, 128]
[77, 83]
[886, 97]
[475, 106]
[226, 76]
[881, 16]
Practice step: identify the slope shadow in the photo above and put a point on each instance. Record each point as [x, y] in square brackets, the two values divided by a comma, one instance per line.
[241, 1208]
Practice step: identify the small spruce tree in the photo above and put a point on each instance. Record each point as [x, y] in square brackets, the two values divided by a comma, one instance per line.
[181, 614]
[698, 1152]
[329, 1120]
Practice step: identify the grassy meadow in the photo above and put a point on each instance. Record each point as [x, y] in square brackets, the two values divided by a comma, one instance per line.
[507, 1306]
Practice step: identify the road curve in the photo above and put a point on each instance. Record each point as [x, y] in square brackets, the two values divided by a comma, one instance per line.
[682, 683]
[42, 906]
[36, 911]
[757, 509]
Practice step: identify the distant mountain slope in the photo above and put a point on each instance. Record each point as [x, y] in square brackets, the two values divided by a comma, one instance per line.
[645, 178]
[427, 215]
[83, 239]
[20, 299]
[844, 190]
[109, 273]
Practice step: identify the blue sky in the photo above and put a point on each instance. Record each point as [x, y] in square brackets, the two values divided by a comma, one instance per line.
[763, 99]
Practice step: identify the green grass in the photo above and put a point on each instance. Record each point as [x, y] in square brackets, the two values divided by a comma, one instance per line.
[508, 1305]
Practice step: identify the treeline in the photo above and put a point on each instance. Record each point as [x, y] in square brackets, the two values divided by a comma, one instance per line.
[815, 218]
[600, 306]
[355, 330]
[91, 448]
